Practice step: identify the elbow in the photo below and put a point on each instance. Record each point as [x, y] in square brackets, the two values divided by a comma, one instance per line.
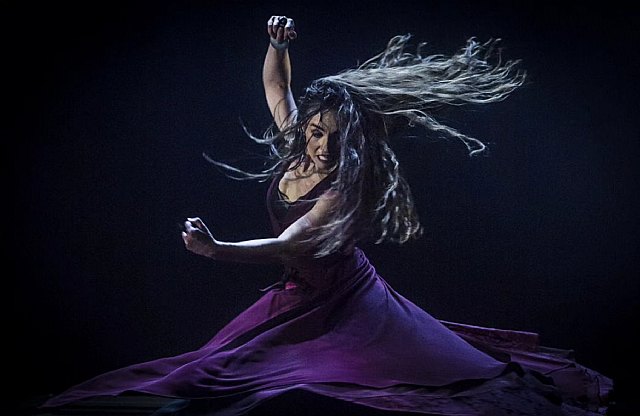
[297, 241]
[276, 90]
[294, 250]
[290, 251]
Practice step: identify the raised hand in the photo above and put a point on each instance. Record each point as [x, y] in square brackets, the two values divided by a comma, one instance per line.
[281, 29]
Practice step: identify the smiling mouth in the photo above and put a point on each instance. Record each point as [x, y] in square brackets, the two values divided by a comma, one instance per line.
[323, 158]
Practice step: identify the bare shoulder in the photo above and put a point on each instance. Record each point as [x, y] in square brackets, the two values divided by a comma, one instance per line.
[326, 203]
[329, 196]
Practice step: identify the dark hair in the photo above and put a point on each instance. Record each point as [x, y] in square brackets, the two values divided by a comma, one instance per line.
[389, 92]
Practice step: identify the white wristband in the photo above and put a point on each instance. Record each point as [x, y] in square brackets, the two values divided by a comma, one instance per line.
[279, 45]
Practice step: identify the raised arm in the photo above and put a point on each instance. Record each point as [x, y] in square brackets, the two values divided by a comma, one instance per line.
[288, 246]
[276, 72]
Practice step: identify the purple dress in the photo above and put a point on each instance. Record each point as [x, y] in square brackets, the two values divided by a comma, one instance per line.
[334, 327]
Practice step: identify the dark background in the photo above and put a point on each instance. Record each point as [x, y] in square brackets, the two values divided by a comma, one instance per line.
[111, 106]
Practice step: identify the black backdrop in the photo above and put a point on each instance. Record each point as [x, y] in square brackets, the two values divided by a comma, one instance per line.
[112, 105]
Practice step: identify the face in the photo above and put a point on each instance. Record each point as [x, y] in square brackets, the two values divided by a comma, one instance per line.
[322, 140]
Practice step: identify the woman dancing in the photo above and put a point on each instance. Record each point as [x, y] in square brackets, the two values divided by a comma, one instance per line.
[332, 326]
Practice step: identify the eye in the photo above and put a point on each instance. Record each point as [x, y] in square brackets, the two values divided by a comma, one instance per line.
[317, 134]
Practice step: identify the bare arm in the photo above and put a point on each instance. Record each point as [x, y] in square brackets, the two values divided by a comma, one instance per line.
[276, 72]
[286, 247]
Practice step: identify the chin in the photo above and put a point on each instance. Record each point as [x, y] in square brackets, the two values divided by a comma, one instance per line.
[322, 164]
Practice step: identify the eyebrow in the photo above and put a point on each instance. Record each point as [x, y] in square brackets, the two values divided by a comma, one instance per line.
[317, 126]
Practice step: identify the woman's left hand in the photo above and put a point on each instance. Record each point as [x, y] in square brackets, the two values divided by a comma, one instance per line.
[198, 239]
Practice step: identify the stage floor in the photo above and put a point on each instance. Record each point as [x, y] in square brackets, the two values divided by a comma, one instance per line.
[130, 405]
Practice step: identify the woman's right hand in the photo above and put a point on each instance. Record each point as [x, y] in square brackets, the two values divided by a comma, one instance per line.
[281, 28]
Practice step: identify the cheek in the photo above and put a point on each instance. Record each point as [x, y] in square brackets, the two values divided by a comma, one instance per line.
[310, 149]
[311, 144]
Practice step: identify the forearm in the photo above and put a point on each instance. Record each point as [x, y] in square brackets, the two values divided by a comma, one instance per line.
[290, 246]
[260, 251]
[276, 72]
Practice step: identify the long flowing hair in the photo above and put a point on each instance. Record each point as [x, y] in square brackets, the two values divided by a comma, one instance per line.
[388, 93]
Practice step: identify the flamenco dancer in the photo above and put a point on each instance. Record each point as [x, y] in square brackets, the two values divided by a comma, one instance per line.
[333, 327]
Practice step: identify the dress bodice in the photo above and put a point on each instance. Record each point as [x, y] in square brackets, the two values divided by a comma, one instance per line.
[283, 213]
[310, 273]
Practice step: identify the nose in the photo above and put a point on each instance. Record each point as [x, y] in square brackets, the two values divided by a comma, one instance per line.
[322, 143]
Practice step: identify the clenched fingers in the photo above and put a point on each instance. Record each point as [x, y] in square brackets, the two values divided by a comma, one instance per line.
[281, 28]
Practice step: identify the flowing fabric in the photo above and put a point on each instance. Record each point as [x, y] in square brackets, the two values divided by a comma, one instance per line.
[335, 328]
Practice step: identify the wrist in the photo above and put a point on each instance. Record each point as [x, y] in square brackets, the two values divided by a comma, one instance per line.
[214, 250]
[280, 46]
